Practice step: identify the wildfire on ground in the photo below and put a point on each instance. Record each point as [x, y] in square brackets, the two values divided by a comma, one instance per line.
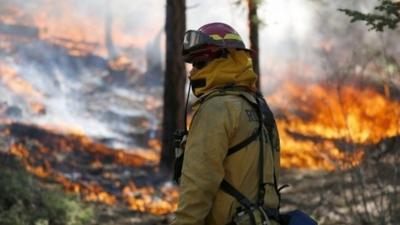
[94, 171]
[84, 33]
[327, 127]
[22, 88]
[322, 125]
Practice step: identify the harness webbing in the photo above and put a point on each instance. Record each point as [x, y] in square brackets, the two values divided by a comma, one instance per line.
[261, 186]
[229, 189]
[245, 202]
[244, 143]
[258, 133]
[266, 120]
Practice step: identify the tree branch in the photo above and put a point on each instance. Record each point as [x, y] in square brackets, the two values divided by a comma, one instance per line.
[386, 14]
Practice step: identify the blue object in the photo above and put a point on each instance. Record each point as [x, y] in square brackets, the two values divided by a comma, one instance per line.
[298, 217]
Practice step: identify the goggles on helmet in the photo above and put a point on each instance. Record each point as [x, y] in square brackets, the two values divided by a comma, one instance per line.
[195, 39]
[195, 43]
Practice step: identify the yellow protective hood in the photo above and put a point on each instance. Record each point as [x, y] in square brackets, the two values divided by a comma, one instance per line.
[236, 69]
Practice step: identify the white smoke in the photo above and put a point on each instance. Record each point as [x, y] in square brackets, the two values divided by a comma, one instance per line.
[77, 93]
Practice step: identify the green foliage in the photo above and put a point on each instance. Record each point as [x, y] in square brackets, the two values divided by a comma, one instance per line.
[387, 14]
[24, 202]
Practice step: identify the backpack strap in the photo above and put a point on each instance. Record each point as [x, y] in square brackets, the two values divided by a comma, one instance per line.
[244, 143]
[255, 134]
[232, 191]
[245, 202]
[252, 137]
[229, 189]
[266, 120]
[261, 185]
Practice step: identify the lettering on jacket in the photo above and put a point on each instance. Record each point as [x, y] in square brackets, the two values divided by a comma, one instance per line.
[252, 115]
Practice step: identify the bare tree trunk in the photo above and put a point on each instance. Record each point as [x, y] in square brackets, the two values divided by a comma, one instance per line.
[253, 30]
[175, 78]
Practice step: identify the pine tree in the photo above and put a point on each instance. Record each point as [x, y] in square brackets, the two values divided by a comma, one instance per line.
[175, 78]
[386, 14]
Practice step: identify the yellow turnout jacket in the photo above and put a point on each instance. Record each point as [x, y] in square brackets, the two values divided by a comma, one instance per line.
[223, 119]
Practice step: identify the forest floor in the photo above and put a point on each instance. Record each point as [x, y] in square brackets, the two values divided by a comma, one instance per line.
[121, 215]
[367, 192]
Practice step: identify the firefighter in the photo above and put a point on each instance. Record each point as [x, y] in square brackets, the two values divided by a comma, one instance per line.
[231, 156]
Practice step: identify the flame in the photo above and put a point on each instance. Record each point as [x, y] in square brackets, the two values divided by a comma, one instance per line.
[120, 63]
[79, 35]
[19, 150]
[65, 128]
[155, 144]
[82, 33]
[321, 126]
[91, 192]
[78, 30]
[319, 117]
[39, 171]
[16, 84]
[21, 87]
[142, 200]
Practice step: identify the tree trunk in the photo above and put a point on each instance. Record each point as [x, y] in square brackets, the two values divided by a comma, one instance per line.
[253, 30]
[175, 78]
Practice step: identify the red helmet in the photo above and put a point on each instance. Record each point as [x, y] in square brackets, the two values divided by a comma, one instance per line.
[201, 44]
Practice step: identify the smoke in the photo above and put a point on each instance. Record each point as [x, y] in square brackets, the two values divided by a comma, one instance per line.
[84, 89]
[319, 43]
[92, 59]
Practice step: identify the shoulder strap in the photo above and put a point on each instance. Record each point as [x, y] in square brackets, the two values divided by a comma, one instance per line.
[266, 119]
[232, 191]
[226, 91]
[261, 185]
[264, 113]
[253, 136]
[244, 143]
[228, 188]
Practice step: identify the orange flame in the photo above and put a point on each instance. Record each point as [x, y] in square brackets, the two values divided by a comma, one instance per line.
[321, 116]
[142, 199]
[84, 33]
[139, 199]
[16, 84]
[91, 192]
[21, 87]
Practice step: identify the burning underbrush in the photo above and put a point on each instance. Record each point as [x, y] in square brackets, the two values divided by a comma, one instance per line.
[328, 126]
[79, 115]
[81, 106]
[94, 171]
[344, 136]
